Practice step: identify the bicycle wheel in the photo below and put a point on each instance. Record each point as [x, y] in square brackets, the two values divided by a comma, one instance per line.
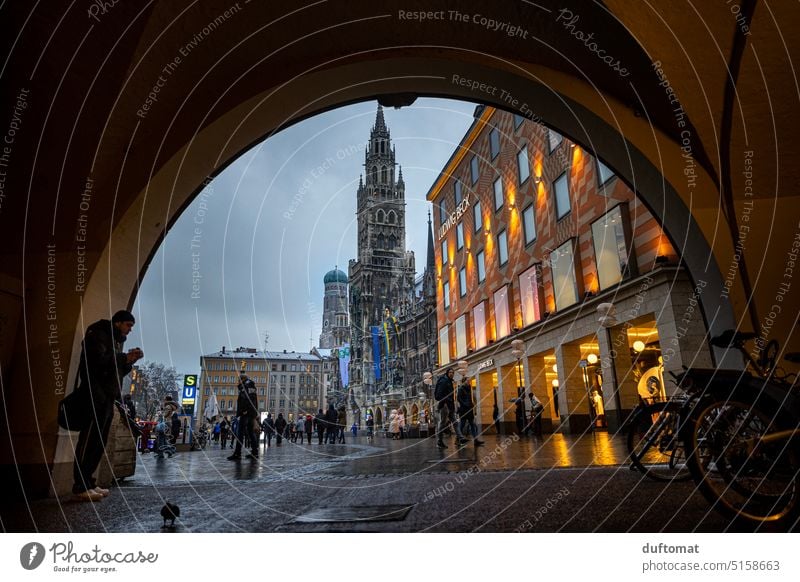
[654, 443]
[745, 479]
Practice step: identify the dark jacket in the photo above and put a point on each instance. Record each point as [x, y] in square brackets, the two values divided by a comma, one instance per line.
[247, 403]
[465, 403]
[319, 421]
[342, 418]
[268, 426]
[332, 417]
[444, 392]
[103, 364]
[280, 425]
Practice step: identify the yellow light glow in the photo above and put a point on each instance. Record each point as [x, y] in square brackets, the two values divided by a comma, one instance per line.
[638, 345]
[592, 358]
[555, 369]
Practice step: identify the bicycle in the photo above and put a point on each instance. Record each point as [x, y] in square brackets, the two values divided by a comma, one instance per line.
[745, 450]
[654, 444]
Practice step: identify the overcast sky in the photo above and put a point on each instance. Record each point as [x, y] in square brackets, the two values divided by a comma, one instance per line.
[267, 229]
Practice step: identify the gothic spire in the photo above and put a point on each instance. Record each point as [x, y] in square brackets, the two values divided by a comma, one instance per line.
[400, 177]
[380, 124]
[431, 263]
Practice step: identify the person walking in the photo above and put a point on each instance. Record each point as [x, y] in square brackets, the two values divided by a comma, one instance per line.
[466, 411]
[247, 414]
[319, 424]
[268, 426]
[537, 408]
[224, 431]
[102, 366]
[300, 428]
[354, 429]
[215, 433]
[280, 427]
[401, 425]
[443, 393]
[394, 429]
[370, 428]
[331, 420]
[309, 427]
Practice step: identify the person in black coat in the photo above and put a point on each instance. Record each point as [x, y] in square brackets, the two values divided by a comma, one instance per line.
[331, 424]
[247, 411]
[102, 367]
[445, 404]
[280, 428]
[320, 424]
[268, 426]
[466, 411]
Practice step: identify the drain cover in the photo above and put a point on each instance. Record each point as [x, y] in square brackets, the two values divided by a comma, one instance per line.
[357, 513]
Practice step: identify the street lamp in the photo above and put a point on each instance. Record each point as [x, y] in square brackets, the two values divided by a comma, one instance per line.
[607, 320]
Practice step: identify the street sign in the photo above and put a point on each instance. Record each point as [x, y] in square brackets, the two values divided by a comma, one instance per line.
[189, 389]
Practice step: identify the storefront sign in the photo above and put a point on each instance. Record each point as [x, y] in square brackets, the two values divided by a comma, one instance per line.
[487, 364]
[454, 217]
[189, 389]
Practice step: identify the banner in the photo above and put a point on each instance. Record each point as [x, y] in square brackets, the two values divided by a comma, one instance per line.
[212, 408]
[344, 364]
[376, 351]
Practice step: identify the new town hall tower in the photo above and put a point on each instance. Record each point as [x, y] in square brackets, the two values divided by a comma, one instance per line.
[383, 274]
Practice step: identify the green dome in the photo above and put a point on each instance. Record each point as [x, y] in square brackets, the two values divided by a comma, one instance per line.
[335, 276]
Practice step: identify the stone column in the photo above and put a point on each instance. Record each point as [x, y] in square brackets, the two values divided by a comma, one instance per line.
[611, 394]
[537, 381]
[572, 398]
[623, 368]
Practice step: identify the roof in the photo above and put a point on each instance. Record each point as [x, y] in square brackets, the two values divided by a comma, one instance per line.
[335, 276]
[247, 355]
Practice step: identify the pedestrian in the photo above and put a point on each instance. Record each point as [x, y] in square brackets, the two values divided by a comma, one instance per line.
[309, 427]
[331, 420]
[401, 424]
[175, 426]
[537, 408]
[466, 411]
[300, 428]
[341, 422]
[215, 432]
[319, 424]
[224, 430]
[394, 427]
[102, 367]
[519, 412]
[370, 428]
[280, 427]
[268, 426]
[445, 404]
[247, 414]
[354, 430]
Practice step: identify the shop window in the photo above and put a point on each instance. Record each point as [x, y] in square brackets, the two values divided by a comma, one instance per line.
[501, 320]
[461, 336]
[444, 252]
[523, 165]
[561, 193]
[477, 216]
[446, 294]
[494, 143]
[479, 324]
[457, 192]
[529, 296]
[610, 250]
[462, 281]
[444, 346]
[565, 287]
[498, 194]
[460, 236]
[480, 260]
[473, 169]
[502, 247]
[529, 224]
[554, 139]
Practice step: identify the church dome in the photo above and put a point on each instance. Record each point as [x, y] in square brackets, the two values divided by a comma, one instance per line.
[335, 276]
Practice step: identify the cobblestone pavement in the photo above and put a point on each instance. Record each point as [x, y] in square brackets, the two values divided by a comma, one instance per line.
[559, 483]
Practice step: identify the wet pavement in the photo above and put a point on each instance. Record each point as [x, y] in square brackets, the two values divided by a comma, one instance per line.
[559, 483]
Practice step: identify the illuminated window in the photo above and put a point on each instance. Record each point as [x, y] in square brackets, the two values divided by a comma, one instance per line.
[565, 288]
[444, 252]
[444, 345]
[529, 224]
[494, 142]
[610, 250]
[561, 192]
[502, 247]
[479, 324]
[477, 217]
[529, 296]
[501, 321]
[462, 281]
[480, 259]
[473, 169]
[554, 139]
[461, 336]
[460, 236]
[523, 165]
[498, 194]
[446, 294]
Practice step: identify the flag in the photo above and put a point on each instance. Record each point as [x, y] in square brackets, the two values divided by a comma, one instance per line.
[212, 408]
[344, 364]
[376, 351]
